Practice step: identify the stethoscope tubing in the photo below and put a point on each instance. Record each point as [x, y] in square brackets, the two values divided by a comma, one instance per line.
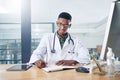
[53, 48]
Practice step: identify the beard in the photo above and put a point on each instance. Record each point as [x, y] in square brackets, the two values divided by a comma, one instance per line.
[62, 32]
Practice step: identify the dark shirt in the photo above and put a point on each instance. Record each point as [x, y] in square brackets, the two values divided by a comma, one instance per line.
[62, 39]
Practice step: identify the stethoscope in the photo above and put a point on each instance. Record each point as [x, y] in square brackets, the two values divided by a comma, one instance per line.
[53, 49]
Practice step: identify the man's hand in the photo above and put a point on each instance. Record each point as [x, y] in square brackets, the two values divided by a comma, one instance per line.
[40, 64]
[66, 62]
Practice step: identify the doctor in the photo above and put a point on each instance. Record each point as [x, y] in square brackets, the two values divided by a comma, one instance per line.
[60, 47]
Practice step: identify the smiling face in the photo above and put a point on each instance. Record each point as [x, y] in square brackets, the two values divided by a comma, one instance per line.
[62, 26]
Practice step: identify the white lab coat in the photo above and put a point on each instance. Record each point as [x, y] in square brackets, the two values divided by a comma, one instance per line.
[69, 51]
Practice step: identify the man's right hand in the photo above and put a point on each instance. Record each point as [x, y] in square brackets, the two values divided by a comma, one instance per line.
[40, 64]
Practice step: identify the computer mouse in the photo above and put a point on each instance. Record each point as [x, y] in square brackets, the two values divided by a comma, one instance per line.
[82, 69]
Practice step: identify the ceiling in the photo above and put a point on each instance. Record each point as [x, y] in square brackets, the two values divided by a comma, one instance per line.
[88, 16]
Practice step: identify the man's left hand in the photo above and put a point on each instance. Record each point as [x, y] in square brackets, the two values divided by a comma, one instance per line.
[66, 62]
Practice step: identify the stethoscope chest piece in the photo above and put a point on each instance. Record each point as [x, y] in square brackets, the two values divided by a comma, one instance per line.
[53, 51]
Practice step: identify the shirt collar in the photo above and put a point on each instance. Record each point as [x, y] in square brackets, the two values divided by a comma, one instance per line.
[64, 37]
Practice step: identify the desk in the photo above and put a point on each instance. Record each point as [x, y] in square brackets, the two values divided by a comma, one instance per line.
[38, 74]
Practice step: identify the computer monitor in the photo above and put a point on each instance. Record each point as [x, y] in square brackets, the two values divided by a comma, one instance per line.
[112, 34]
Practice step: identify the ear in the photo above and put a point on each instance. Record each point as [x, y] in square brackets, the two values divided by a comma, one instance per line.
[56, 22]
[70, 26]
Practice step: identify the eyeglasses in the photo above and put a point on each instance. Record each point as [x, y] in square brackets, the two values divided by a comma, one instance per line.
[64, 25]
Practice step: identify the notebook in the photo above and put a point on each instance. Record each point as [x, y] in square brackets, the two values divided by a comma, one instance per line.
[57, 68]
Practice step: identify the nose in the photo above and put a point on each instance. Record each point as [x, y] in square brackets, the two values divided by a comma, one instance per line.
[63, 26]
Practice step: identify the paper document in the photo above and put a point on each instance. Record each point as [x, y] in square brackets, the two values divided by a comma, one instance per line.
[57, 68]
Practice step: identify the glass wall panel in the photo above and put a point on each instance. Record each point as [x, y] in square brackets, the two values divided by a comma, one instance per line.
[10, 31]
[41, 23]
[38, 30]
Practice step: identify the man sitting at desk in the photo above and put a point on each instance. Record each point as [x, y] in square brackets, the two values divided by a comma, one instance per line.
[60, 47]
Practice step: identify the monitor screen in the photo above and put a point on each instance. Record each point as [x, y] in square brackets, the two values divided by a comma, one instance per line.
[112, 34]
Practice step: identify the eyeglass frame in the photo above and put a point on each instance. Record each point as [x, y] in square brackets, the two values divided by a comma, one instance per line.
[64, 25]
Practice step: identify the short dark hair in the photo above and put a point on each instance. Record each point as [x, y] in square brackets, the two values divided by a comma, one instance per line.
[65, 15]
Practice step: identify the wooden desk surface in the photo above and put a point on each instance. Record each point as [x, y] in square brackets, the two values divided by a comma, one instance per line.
[38, 74]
